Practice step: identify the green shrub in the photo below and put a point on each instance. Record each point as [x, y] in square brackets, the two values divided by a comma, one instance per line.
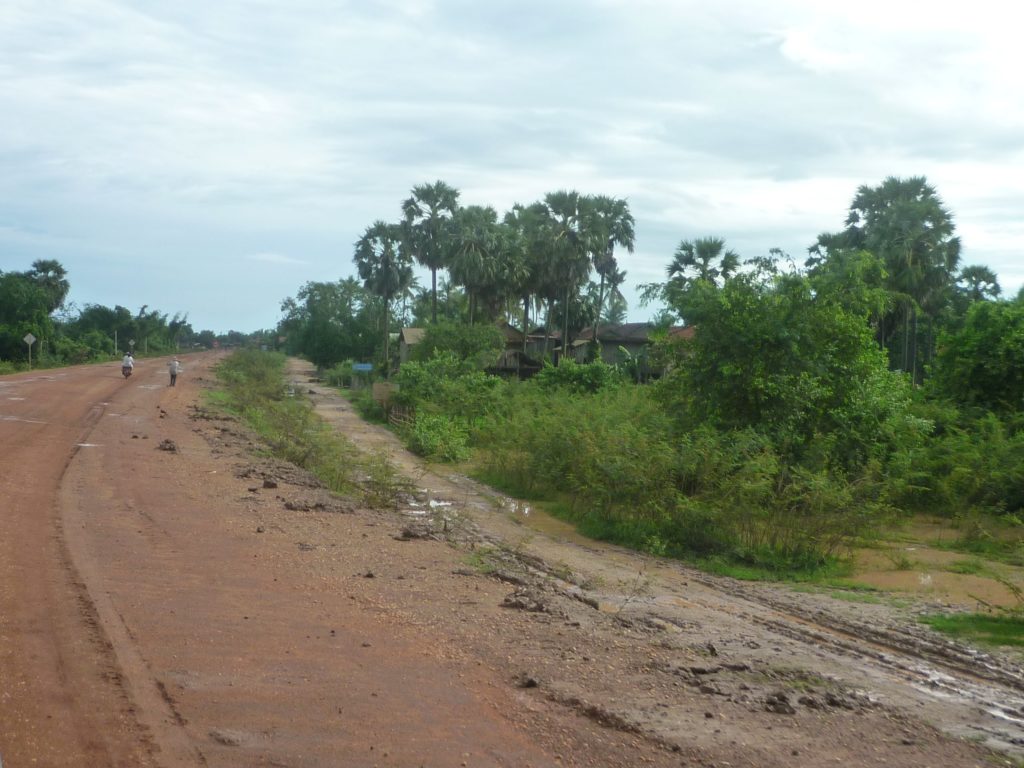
[439, 437]
[968, 465]
[340, 375]
[477, 345]
[448, 385]
[578, 378]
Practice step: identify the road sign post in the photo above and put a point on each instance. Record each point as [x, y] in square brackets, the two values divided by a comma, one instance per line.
[30, 340]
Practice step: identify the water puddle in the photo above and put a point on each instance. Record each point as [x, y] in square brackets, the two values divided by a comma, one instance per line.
[919, 564]
[540, 521]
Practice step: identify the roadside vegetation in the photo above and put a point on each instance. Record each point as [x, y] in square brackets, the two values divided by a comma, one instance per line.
[995, 629]
[254, 389]
[811, 406]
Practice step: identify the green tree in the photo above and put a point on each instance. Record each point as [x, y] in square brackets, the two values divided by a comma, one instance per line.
[566, 234]
[473, 263]
[904, 223]
[978, 283]
[704, 260]
[331, 322]
[607, 223]
[428, 216]
[24, 308]
[51, 276]
[982, 364]
[385, 269]
[777, 353]
[536, 286]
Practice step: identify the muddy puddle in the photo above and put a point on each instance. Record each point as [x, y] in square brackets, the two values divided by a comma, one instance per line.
[915, 562]
[536, 519]
[912, 566]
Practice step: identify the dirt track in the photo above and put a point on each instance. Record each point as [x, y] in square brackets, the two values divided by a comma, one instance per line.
[167, 599]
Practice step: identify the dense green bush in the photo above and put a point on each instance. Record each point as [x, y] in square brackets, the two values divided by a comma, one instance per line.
[439, 438]
[773, 353]
[478, 345]
[446, 384]
[971, 466]
[605, 451]
[578, 378]
[982, 364]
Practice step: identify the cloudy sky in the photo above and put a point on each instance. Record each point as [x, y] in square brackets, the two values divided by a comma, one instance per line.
[211, 157]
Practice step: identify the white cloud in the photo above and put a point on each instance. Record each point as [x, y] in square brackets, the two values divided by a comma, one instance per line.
[275, 258]
[190, 131]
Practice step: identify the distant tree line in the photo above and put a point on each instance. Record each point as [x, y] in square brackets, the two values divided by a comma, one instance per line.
[551, 264]
[34, 302]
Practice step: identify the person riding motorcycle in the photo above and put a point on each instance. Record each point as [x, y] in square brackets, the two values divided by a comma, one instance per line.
[127, 364]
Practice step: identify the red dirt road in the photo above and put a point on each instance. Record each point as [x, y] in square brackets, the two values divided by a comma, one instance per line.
[153, 614]
[60, 700]
[169, 597]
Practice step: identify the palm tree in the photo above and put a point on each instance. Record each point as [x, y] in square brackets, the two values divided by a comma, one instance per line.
[428, 217]
[475, 244]
[50, 275]
[904, 223]
[527, 227]
[570, 260]
[978, 283]
[607, 223]
[703, 259]
[385, 268]
[703, 264]
[615, 311]
[409, 293]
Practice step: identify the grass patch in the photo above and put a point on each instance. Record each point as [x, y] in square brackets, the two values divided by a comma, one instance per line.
[899, 559]
[824, 574]
[970, 567]
[1000, 539]
[482, 560]
[253, 389]
[985, 628]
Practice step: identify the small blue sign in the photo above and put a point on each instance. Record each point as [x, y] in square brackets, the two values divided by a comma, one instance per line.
[362, 367]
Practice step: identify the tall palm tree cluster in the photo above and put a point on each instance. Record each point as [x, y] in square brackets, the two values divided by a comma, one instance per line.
[540, 256]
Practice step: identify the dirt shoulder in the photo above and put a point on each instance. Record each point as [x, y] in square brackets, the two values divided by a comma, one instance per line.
[229, 612]
[740, 672]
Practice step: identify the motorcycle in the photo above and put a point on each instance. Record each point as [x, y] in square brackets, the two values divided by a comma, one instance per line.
[126, 371]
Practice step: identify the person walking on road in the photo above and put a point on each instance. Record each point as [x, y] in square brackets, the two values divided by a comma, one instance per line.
[175, 368]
